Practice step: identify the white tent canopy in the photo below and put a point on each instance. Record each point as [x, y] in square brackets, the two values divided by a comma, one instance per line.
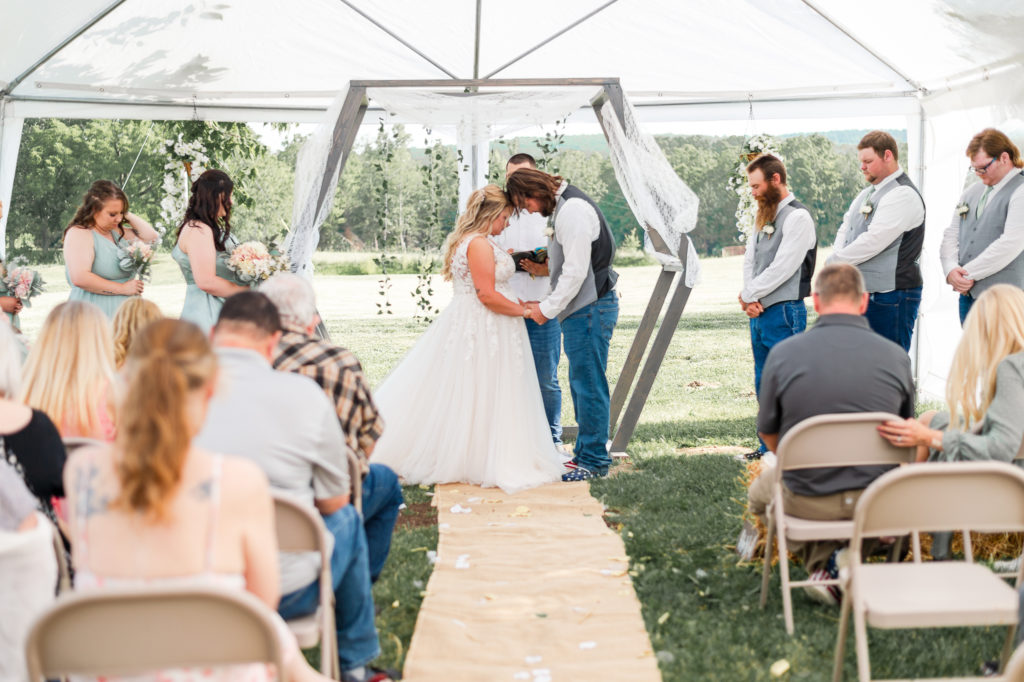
[950, 66]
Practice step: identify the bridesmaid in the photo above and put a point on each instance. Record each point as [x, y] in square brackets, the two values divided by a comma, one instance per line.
[204, 244]
[91, 241]
[9, 304]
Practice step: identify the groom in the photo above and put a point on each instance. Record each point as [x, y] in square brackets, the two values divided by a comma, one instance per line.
[583, 298]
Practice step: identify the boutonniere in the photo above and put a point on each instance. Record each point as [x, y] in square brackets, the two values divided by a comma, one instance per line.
[963, 209]
[768, 229]
[549, 231]
[866, 208]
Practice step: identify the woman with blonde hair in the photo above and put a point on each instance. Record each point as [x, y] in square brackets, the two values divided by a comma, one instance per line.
[132, 316]
[102, 226]
[984, 392]
[464, 404]
[69, 373]
[152, 509]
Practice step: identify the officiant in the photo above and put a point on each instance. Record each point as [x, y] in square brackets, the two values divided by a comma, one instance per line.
[531, 282]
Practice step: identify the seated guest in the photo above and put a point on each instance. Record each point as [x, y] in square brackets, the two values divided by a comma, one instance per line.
[28, 439]
[131, 316]
[28, 570]
[984, 392]
[339, 374]
[839, 365]
[70, 371]
[284, 423]
[155, 509]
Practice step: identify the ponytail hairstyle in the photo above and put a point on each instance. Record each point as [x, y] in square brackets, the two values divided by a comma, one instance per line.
[168, 359]
[483, 206]
[131, 316]
[210, 192]
[99, 193]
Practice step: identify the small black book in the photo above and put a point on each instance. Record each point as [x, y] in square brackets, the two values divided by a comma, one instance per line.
[539, 255]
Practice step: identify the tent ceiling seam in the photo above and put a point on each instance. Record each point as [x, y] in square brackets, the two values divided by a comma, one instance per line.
[879, 58]
[397, 37]
[60, 46]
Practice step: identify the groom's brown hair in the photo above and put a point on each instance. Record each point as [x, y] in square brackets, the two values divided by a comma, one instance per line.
[530, 183]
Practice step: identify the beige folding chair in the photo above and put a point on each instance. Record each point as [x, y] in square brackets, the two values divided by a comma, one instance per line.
[302, 530]
[983, 496]
[1014, 671]
[139, 630]
[826, 440]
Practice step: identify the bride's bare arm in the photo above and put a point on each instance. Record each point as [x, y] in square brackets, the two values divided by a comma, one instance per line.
[480, 256]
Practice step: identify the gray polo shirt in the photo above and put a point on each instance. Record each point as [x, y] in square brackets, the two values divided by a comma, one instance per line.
[286, 424]
[839, 365]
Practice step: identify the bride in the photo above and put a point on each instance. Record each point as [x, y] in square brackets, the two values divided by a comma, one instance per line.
[464, 404]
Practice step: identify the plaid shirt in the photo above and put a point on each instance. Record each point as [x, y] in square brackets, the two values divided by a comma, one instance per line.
[339, 373]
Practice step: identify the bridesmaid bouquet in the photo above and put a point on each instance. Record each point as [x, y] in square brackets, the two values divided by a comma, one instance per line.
[21, 281]
[136, 258]
[252, 262]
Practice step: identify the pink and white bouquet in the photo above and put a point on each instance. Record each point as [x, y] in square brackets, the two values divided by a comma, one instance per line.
[21, 281]
[137, 258]
[252, 262]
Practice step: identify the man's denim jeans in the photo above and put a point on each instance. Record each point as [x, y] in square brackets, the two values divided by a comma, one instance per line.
[587, 334]
[546, 344]
[893, 313]
[353, 601]
[777, 322]
[382, 496]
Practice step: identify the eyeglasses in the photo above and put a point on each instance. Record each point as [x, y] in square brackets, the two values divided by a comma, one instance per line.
[983, 169]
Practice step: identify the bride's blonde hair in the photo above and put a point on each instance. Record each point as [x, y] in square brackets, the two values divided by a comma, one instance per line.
[484, 205]
[994, 328]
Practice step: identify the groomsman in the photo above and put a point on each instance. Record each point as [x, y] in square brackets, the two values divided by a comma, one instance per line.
[583, 298]
[525, 232]
[882, 234]
[778, 264]
[984, 243]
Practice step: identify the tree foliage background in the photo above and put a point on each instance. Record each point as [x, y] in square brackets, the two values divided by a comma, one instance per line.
[396, 194]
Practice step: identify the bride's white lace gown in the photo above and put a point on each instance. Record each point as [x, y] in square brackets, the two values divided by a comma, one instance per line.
[464, 404]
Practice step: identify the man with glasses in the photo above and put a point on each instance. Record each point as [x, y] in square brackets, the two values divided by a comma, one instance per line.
[984, 243]
[882, 234]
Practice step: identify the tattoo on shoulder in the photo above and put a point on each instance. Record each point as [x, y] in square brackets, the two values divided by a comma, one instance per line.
[91, 501]
[202, 490]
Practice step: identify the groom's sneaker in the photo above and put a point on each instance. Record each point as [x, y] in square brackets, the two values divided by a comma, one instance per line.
[582, 474]
[571, 464]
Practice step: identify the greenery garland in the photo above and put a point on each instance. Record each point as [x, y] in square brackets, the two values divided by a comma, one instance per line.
[746, 211]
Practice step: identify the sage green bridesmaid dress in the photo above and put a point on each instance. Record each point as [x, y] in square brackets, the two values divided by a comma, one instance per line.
[200, 307]
[105, 265]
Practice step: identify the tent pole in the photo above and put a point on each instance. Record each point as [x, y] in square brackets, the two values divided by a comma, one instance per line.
[394, 35]
[550, 38]
[919, 162]
[476, 43]
[60, 46]
[10, 143]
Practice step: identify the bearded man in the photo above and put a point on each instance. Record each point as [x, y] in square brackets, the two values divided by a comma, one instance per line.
[778, 264]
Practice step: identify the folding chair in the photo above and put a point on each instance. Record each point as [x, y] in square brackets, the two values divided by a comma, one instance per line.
[987, 497]
[302, 530]
[1014, 671]
[139, 630]
[826, 440]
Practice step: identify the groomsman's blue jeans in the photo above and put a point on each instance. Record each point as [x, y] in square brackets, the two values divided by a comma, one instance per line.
[546, 344]
[777, 322]
[587, 334]
[353, 601]
[966, 301]
[382, 496]
[893, 313]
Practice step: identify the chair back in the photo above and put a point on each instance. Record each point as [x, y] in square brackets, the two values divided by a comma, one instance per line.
[299, 529]
[132, 631]
[839, 440]
[986, 497]
[72, 443]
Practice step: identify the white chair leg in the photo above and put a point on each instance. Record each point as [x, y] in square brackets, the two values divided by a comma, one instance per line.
[1007, 647]
[844, 618]
[787, 591]
[766, 572]
[860, 635]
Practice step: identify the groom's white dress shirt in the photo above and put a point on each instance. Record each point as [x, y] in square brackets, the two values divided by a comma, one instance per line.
[576, 228]
[525, 232]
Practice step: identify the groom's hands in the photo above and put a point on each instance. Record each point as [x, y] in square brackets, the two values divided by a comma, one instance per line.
[534, 313]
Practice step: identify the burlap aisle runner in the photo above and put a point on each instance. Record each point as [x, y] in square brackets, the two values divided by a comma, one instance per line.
[530, 587]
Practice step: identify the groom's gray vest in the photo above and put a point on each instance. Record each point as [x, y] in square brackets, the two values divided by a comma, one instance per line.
[600, 276]
[977, 233]
[897, 265]
[798, 286]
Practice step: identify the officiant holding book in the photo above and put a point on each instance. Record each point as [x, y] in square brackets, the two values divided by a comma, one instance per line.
[525, 235]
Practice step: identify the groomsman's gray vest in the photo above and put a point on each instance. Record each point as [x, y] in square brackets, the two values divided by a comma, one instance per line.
[798, 286]
[977, 233]
[600, 276]
[897, 265]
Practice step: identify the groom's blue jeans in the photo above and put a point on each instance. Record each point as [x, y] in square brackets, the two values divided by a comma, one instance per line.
[546, 344]
[353, 601]
[586, 336]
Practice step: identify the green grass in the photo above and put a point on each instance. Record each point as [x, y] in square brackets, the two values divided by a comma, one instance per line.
[680, 517]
